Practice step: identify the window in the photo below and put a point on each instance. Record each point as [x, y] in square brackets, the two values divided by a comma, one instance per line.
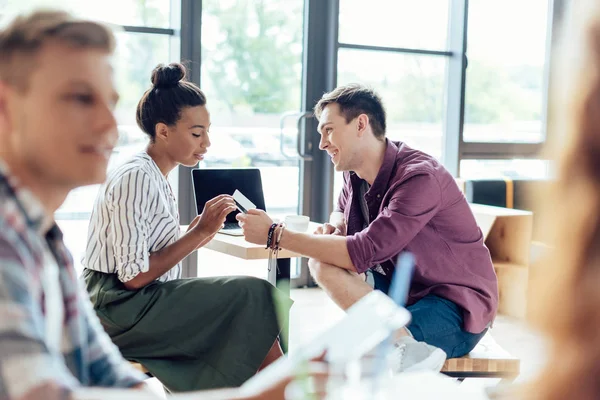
[251, 73]
[400, 49]
[505, 87]
[410, 24]
[135, 57]
[155, 13]
[412, 88]
[515, 169]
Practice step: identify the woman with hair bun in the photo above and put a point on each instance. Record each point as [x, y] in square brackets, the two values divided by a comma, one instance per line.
[191, 334]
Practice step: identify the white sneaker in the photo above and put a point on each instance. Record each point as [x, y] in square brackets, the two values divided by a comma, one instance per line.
[411, 355]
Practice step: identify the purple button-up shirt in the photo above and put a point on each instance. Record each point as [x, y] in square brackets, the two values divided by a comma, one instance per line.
[415, 205]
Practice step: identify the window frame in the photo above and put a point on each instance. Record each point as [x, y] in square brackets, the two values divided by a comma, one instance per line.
[501, 151]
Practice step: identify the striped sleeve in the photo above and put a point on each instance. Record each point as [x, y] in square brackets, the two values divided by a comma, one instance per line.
[26, 365]
[132, 197]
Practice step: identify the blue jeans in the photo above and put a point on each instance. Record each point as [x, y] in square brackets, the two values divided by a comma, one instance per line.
[438, 322]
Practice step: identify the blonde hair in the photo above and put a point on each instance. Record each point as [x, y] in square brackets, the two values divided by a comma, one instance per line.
[567, 298]
[23, 38]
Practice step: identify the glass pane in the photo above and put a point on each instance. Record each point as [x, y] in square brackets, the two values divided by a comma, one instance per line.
[412, 24]
[413, 91]
[135, 57]
[412, 88]
[155, 13]
[517, 168]
[505, 77]
[251, 74]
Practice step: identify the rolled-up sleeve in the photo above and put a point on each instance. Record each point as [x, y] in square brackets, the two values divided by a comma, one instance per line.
[412, 205]
[132, 197]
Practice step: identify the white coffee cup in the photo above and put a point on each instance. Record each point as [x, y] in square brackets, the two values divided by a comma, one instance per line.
[298, 223]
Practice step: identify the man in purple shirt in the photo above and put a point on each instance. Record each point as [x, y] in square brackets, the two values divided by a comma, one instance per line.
[395, 199]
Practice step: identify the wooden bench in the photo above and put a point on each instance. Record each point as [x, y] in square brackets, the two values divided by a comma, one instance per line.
[487, 360]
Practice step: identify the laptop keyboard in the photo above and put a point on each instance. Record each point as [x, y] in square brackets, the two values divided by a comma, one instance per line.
[231, 225]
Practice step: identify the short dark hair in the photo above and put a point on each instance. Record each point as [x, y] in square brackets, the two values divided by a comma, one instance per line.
[26, 34]
[167, 97]
[353, 100]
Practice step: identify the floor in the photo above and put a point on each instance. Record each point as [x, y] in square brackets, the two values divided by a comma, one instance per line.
[313, 312]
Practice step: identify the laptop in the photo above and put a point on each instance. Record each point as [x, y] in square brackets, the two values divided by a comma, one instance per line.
[208, 183]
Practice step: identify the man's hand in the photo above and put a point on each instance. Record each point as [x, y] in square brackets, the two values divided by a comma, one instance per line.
[213, 217]
[255, 225]
[329, 229]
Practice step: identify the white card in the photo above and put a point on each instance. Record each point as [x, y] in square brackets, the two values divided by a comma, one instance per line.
[242, 202]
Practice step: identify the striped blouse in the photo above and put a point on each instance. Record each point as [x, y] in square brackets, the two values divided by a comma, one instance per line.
[135, 214]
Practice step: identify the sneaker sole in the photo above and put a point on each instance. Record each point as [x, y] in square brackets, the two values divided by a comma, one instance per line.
[434, 362]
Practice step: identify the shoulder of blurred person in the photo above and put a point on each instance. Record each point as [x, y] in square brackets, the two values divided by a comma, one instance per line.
[566, 299]
[57, 130]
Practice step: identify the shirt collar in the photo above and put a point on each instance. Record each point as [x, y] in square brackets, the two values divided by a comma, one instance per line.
[29, 204]
[144, 154]
[385, 171]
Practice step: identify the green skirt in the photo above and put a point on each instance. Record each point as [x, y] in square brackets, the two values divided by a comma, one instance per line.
[191, 334]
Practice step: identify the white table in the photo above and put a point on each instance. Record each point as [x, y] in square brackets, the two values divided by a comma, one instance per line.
[237, 246]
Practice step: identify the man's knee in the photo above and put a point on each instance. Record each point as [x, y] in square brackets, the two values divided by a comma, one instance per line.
[318, 270]
[326, 274]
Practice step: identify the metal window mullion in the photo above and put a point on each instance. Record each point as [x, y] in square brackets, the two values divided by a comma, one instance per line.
[148, 29]
[481, 150]
[395, 50]
[455, 85]
[319, 76]
[557, 9]
[191, 33]
[319, 70]
[191, 38]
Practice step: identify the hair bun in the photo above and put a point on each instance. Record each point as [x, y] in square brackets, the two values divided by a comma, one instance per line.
[167, 75]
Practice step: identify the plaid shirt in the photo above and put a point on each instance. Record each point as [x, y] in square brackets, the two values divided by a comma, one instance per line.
[87, 357]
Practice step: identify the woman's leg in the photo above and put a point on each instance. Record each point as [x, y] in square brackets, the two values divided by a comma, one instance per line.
[194, 334]
[274, 353]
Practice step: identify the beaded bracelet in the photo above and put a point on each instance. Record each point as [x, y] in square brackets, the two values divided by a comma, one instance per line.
[273, 245]
[270, 236]
[281, 229]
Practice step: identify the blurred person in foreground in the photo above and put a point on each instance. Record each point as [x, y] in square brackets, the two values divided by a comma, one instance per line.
[567, 297]
[57, 131]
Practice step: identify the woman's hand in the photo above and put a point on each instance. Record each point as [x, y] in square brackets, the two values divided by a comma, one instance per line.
[193, 223]
[212, 217]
